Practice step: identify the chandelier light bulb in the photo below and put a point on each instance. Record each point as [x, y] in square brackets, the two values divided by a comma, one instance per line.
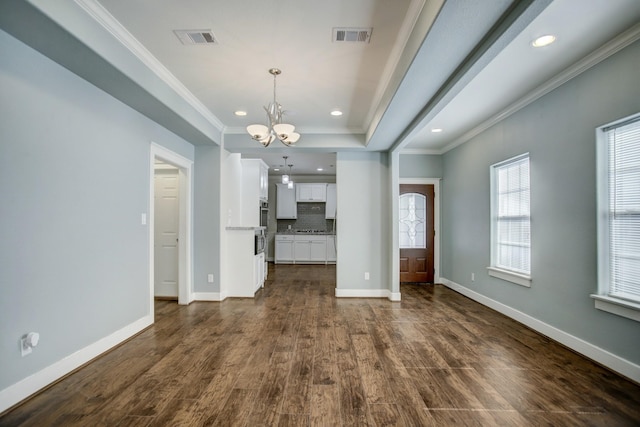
[258, 132]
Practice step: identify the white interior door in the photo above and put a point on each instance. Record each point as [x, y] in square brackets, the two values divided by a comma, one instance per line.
[166, 185]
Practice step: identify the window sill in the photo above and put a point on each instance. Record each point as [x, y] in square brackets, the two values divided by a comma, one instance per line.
[510, 276]
[617, 306]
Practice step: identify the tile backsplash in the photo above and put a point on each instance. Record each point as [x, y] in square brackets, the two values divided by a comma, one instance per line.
[311, 216]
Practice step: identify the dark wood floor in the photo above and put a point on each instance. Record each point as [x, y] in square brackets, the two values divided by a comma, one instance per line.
[298, 356]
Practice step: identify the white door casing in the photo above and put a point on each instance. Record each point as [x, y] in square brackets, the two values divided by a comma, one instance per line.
[185, 184]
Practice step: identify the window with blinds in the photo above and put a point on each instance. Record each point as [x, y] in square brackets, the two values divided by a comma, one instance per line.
[621, 226]
[511, 218]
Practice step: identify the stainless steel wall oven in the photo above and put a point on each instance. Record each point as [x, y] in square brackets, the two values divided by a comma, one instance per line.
[261, 241]
[264, 214]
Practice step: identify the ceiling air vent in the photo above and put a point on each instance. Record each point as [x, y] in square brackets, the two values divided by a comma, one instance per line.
[357, 35]
[195, 36]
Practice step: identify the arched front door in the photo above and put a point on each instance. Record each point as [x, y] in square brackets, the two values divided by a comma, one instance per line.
[416, 232]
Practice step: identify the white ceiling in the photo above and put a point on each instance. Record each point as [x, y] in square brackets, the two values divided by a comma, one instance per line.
[318, 75]
[580, 27]
[452, 64]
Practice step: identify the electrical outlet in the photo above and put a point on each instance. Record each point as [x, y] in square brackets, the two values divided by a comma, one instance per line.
[24, 347]
[473, 277]
[366, 275]
[210, 278]
[28, 342]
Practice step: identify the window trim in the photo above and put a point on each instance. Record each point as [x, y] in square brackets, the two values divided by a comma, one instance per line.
[510, 276]
[513, 276]
[602, 300]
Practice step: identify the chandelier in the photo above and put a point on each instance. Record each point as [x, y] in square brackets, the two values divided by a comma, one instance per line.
[265, 135]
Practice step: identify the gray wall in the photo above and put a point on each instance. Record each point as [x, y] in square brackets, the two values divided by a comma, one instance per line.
[363, 223]
[74, 168]
[559, 132]
[420, 166]
[206, 206]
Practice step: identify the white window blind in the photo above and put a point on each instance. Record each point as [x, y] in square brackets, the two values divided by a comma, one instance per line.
[511, 249]
[624, 210]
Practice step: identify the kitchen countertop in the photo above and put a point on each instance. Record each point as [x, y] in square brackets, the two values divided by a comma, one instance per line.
[247, 228]
[306, 233]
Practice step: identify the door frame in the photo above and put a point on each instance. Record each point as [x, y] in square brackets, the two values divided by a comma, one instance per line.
[436, 221]
[185, 174]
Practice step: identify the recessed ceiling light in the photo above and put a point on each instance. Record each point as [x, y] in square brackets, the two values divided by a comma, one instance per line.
[319, 169]
[436, 130]
[276, 169]
[336, 113]
[240, 113]
[543, 40]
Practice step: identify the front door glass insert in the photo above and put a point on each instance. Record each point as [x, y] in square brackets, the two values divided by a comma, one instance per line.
[413, 213]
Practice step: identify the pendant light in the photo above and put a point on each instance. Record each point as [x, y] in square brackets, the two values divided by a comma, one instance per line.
[285, 177]
[290, 183]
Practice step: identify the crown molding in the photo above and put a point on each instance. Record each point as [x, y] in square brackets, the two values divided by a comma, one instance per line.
[236, 130]
[428, 151]
[605, 51]
[107, 21]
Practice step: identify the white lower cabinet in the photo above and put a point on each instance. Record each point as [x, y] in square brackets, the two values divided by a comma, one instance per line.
[331, 249]
[310, 248]
[258, 271]
[318, 250]
[284, 249]
[302, 249]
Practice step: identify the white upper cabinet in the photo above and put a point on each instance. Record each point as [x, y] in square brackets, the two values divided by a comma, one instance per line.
[255, 188]
[286, 206]
[330, 209]
[311, 192]
[264, 182]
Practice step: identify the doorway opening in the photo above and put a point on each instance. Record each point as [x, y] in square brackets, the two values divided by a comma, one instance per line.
[418, 223]
[166, 228]
[182, 240]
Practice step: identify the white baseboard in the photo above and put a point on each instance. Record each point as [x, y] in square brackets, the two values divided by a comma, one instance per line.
[602, 356]
[207, 296]
[33, 383]
[394, 296]
[367, 293]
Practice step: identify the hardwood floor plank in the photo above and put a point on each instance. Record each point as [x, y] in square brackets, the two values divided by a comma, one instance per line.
[385, 414]
[293, 420]
[177, 413]
[296, 400]
[298, 356]
[409, 402]
[214, 397]
[325, 405]
[353, 401]
[268, 402]
[371, 373]
[324, 362]
[236, 410]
